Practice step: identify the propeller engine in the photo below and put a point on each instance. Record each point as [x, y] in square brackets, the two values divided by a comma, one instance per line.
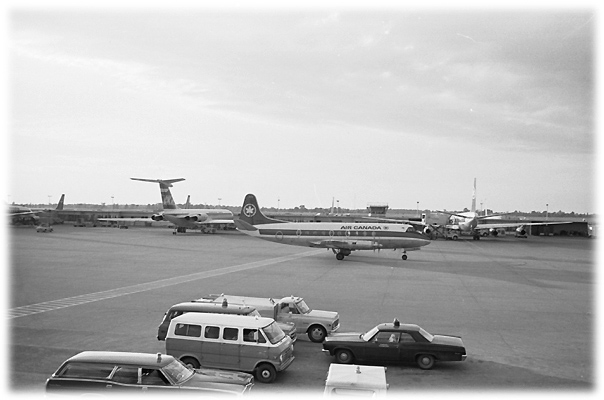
[157, 217]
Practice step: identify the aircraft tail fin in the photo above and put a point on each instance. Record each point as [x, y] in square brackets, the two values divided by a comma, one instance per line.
[251, 214]
[164, 188]
[188, 203]
[61, 201]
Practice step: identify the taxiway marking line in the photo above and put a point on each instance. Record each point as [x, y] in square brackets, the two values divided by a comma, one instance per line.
[52, 305]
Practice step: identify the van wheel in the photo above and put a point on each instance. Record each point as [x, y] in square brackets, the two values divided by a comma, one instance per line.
[266, 373]
[190, 362]
[316, 333]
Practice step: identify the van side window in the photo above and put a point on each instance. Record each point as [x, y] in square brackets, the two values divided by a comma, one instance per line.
[252, 335]
[230, 334]
[187, 330]
[212, 332]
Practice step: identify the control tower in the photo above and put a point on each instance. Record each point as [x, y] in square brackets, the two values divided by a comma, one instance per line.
[377, 209]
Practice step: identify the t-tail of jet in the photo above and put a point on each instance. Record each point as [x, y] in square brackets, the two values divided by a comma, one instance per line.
[251, 215]
[164, 188]
[61, 201]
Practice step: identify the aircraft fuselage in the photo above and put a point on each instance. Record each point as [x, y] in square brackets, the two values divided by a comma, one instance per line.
[337, 235]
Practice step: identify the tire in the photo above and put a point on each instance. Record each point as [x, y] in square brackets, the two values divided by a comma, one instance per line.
[316, 333]
[339, 256]
[344, 356]
[266, 373]
[404, 257]
[190, 362]
[425, 361]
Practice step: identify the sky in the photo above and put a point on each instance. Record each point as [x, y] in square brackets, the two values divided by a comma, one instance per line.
[301, 106]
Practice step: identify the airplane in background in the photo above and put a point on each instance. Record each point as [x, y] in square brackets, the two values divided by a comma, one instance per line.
[203, 219]
[341, 237]
[26, 215]
[467, 222]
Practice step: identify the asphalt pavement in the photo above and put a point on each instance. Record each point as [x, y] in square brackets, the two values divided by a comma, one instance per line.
[525, 308]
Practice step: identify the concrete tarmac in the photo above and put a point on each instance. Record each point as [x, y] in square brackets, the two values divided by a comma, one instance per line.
[524, 307]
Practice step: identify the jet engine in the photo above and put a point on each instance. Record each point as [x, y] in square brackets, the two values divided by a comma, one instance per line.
[520, 231]
[157, 217]
[427, 230]
[196, 218]
[493, 232]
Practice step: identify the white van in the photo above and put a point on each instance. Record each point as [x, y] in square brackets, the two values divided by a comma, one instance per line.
[234, 342]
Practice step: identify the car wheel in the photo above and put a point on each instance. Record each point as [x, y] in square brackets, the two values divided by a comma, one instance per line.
[425, 361]
[190, 362]
[316, 333]
[344, 356]
[266, 373]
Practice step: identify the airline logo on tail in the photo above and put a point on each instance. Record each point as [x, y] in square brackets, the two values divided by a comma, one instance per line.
[249, 210]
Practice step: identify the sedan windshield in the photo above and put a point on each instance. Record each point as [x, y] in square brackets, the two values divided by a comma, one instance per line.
[177, 372]
[273, 333]
[369, 334]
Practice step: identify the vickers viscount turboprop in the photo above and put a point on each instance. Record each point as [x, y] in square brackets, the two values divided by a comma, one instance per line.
[341, 237]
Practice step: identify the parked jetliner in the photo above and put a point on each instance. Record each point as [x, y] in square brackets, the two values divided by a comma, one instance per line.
[204, 219]
[468, 222]
[341, 237]
[20, 214]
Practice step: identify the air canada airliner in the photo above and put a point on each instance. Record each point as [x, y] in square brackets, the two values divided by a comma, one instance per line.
[341, 237]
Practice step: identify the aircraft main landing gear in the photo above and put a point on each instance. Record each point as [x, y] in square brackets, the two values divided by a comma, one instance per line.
[341, 253]
[404, 257]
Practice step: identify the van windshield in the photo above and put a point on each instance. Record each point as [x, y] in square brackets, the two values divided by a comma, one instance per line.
[273, 333]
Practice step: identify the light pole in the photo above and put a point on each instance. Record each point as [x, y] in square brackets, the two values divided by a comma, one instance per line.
[418, 208]
[220, 198]
[278, 203]
[546, 210]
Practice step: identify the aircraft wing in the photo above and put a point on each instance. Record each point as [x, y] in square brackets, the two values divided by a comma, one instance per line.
[25, 213]
[125, 219]
[218, 221]
[517, 224]
[400, 221]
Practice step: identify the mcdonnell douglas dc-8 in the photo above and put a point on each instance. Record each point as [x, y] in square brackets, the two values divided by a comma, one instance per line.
[204, 219]
[341, 237]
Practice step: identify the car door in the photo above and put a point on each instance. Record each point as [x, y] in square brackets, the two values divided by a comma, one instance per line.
[383, 347]
[408, 347]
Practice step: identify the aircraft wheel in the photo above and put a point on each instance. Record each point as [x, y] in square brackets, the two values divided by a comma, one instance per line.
[404, 257]
[339, 256]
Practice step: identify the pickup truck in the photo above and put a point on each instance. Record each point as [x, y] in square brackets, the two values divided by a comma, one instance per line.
[316, 324]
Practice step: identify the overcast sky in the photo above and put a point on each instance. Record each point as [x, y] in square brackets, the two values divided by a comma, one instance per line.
[299, 106]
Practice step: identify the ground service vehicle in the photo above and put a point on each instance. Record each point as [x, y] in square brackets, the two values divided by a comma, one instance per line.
[234, 342]
[121, 372]
[395, 342]
[224, 308]
[355, 380]
[317, 324]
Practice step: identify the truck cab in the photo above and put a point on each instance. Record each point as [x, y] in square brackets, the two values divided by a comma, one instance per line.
[317, 324]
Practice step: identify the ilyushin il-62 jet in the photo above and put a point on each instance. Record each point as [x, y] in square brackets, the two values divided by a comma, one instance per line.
[341, 237]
